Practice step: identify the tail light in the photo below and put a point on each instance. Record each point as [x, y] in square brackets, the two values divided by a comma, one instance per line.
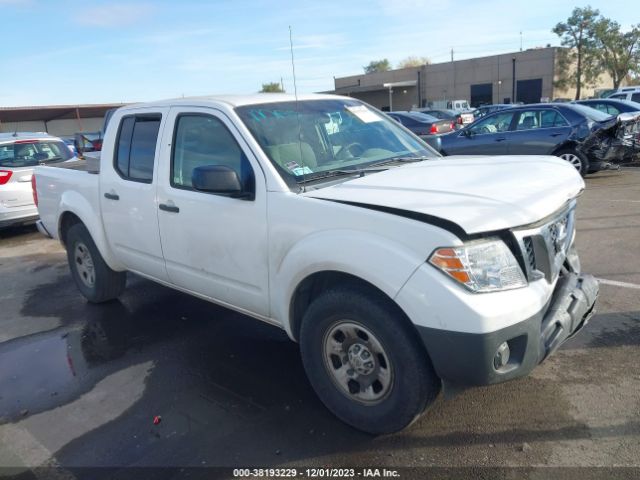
[453, 126]
[34, 190]
[5, 175]
[460, 120]
[434, 129]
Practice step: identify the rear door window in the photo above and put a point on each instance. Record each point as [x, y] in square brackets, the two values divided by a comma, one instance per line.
[552, 119]
[135, 154]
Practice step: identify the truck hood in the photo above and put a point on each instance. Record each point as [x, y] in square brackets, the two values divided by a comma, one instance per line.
[479, 194]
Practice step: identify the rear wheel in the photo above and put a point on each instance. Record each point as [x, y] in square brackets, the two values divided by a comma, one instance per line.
[576, 159]
[364, 362]
[94, 278]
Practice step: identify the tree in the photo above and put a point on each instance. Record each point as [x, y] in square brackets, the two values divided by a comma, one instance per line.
[620, 52]
[412, 61]
[577, 34]
[272, 87]
[377, 66]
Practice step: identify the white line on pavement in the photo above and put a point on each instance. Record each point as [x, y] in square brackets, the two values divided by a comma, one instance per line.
[618, 284]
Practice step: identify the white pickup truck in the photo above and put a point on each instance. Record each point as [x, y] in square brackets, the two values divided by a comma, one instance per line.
[396, 270]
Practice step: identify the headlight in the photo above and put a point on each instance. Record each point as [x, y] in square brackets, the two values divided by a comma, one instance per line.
[481, 266]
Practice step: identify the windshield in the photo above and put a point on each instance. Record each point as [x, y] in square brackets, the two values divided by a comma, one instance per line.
[592, 113]
[28, 153]
[331, 135]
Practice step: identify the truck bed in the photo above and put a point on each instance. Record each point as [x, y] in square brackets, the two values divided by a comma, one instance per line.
[68, 184]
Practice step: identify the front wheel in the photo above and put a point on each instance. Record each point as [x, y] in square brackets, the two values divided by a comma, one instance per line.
[94, 278]
[576, 159]
[364, 362]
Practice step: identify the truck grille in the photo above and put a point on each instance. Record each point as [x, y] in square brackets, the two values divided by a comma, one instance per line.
[544, 247]
[529, 254]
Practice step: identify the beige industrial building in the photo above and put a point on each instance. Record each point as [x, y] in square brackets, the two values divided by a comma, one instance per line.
[59, 120]
[526, 76]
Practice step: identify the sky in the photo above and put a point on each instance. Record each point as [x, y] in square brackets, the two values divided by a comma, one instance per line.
[77, 52]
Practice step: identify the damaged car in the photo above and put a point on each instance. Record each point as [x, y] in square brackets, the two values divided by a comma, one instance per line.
[588, 139]
[618, 141]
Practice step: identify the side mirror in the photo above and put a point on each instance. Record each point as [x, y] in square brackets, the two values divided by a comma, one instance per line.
[218, 179]
[467, 132]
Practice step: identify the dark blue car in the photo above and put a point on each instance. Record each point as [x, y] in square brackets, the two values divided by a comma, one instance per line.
[575, 133]
[611, 106]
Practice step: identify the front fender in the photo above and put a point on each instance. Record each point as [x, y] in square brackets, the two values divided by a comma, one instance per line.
[73, 202]
[376, 259]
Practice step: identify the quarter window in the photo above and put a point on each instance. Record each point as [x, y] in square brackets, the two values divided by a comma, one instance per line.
[201, 140]
[136, 148]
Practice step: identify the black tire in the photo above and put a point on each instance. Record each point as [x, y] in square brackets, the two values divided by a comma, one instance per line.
[414, 385]
[104, 284]
[567, 153]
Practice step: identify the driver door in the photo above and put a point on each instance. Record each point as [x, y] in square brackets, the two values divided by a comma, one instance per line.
[488, 136]
[213, 245]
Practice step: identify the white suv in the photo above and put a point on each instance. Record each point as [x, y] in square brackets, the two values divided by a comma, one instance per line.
[627, 93]
[19, 153]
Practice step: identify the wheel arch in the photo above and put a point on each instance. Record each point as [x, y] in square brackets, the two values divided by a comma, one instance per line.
[315, 284]
[74, 209]
[566, 145]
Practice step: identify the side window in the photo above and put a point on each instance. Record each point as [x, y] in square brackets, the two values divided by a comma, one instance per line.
[528, 120]
[201, 140]
[551, 118]
[499, 122]
[619, 96]
[635, 97]
[136, 148]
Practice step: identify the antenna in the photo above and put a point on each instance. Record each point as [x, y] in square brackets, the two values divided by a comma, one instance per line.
[295, 93]
[520, 40]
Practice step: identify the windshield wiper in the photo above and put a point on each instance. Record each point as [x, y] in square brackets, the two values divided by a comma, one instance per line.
[337, 172]
[374, 167]
[401, 159]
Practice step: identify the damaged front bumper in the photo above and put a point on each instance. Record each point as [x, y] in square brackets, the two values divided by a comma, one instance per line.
[470, 359]
[617, 142]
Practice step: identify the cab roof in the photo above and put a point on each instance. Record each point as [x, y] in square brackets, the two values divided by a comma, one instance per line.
[234, 100]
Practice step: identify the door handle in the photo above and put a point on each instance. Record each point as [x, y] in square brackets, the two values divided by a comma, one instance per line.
[168, 208]
[555, 134]
[112, 196]
[501, 139]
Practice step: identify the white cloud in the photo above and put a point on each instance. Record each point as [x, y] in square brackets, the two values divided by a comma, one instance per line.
[113, 14]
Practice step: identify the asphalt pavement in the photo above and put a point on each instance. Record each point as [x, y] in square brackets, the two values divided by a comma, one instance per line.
[81, 385]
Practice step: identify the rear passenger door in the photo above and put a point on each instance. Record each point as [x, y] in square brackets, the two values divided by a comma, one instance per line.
[538, 132]
[214, 245]
[128, 192]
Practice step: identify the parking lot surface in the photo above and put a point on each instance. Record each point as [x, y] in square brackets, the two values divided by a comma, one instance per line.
[80, 384]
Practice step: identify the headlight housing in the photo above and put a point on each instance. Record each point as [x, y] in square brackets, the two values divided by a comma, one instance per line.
[480, 265]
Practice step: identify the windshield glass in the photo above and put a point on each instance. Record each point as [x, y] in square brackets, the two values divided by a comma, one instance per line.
[592, 113]
[331, 135]
[28, 153]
